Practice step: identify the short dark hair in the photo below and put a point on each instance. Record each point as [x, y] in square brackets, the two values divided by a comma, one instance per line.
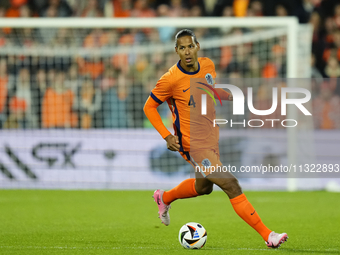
[185, 32]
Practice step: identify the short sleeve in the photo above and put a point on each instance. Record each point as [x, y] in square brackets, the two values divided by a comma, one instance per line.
[163, 90]
[212, 70]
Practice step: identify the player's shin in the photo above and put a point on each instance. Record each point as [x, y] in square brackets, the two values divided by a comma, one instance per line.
[247, 212]
[185, 189]
[229, 184]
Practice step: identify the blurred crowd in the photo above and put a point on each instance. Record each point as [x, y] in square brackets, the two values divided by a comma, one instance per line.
[54, 91]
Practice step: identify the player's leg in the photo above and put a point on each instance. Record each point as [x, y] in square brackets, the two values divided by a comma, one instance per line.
[203, 185]
[186, 189]
[227, 182]
[230, 185]
[206, 165]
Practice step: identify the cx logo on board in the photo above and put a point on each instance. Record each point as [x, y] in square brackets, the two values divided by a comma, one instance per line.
[14, 158]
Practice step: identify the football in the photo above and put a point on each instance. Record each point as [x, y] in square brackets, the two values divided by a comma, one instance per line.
[192, 236]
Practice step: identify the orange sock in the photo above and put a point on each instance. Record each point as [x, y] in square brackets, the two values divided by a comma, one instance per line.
[246, 211]
[185, 189]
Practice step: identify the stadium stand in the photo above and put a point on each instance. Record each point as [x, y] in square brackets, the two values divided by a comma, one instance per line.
[97, 93]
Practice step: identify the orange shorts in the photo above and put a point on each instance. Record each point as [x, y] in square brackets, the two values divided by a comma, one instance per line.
[202, 160]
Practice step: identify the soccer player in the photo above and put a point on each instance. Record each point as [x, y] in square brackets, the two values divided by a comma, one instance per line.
[175, 88]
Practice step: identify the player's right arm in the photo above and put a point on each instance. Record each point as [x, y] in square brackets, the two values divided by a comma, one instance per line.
[158, 95]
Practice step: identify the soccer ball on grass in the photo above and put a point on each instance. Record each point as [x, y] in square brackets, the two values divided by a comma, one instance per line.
[192, 236]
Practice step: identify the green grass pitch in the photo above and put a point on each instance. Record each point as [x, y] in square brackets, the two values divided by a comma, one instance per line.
[125, 222]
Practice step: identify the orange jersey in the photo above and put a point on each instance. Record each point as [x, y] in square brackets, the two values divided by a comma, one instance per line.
[182, 91]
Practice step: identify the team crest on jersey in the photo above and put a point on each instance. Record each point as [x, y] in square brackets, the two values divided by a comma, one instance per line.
[209, 79]
[206, 162]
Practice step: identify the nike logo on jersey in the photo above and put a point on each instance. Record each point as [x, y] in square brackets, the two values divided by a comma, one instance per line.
[186, 89]
[253, 212]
